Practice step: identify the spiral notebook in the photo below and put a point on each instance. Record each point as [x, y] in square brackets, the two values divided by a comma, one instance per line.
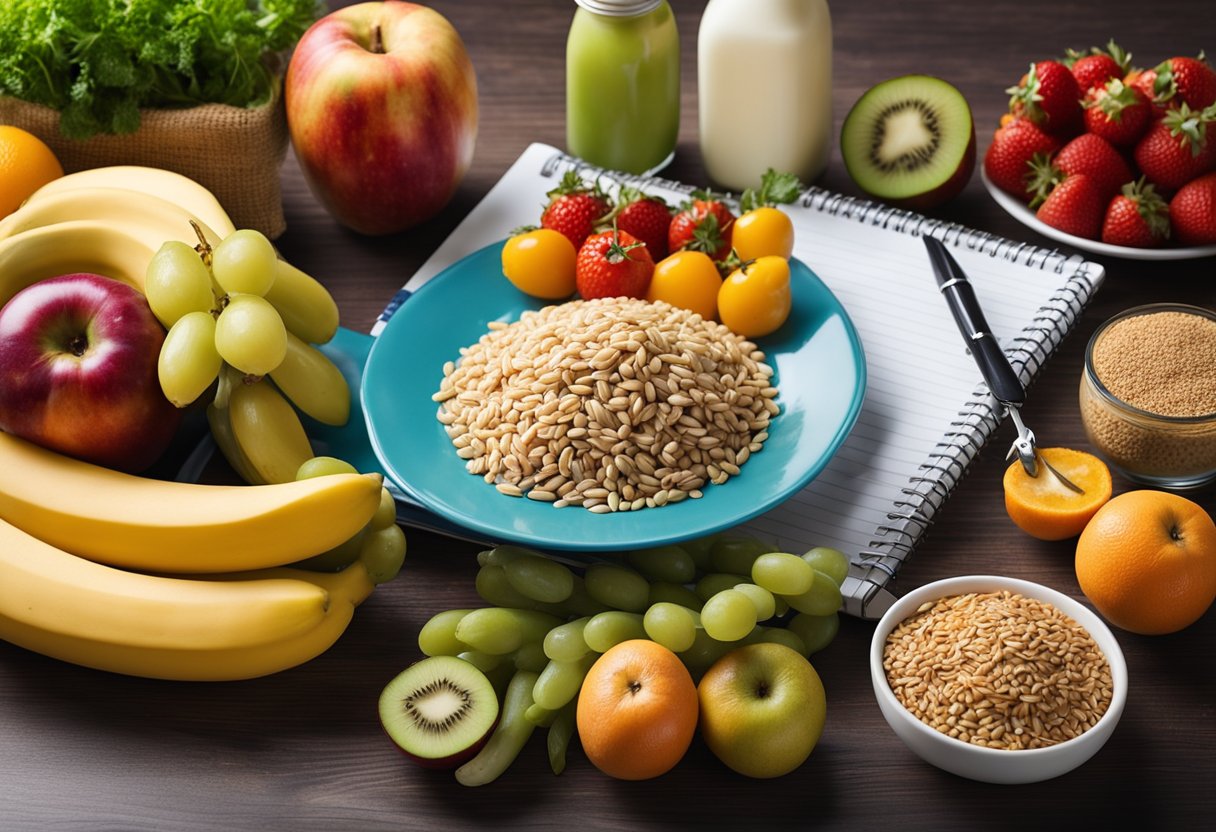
[926, 412]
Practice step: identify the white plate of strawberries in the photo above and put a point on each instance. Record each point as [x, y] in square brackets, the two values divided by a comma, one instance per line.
[1111, 159]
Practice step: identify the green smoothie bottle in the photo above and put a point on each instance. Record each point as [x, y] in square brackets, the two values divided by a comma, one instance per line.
[623, 84]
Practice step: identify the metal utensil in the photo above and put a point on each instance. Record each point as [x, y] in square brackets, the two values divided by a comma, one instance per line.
[1002, 381]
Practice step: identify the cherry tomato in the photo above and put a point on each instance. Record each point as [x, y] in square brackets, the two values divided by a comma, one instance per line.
[689, 280]
[540, 263]
[762, 232]
[755, 299]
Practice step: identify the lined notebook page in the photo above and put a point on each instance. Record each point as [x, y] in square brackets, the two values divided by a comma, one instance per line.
[925, 413]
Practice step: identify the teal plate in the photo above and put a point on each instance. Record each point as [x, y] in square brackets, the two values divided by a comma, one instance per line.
[820, 370]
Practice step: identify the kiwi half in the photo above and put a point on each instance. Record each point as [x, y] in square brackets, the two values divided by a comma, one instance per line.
[440, 711]
[910, 141]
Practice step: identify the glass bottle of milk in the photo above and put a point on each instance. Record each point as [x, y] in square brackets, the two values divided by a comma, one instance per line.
[764, 77]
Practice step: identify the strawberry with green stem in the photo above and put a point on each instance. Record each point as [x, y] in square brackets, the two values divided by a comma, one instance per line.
[574, 208]
[704, 223]
[1007, 162]
[1050, 97]
[1182, 80]
[645, 217]
[1118, 113]
[1097, 66]
[613, 264]
[1075, 206]
[1138, 217]
[1178, 148]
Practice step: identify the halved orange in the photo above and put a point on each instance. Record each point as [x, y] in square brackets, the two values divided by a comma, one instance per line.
[1046, 508]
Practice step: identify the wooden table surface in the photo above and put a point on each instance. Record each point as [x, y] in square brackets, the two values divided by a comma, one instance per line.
[303, 750]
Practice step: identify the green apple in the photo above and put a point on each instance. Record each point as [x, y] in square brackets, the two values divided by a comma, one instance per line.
[762, 709]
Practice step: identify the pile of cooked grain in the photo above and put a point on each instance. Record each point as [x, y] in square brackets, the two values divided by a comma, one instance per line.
[998, 669]
[612, 404]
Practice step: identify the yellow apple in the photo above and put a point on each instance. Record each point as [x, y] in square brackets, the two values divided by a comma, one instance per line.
[762, 709]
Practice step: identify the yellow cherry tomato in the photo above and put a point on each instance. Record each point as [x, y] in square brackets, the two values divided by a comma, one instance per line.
[755, 299]
[540, 263]
[689, 280]
[762, 232]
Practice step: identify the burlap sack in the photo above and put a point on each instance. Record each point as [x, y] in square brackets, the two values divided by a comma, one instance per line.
[235, 152]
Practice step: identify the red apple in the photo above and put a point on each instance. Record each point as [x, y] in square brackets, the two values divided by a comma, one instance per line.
[382, 110]
[78, 373]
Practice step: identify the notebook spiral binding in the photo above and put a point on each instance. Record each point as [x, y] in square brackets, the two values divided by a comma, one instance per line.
[875, 567]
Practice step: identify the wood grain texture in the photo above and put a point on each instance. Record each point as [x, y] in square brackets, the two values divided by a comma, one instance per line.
[303, 750]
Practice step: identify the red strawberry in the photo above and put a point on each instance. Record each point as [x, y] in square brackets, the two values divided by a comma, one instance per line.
[1007, 160]
[1193, 212]
[1178, 148]
[1049, 96]
[1096, 67]
[1075, 206]
[1145, 80]
[613, 264]
[1095, 157]
[645, 217]
[1138, 218]
[574, 208]
[703, 224]
[1187, 81]
[1118, 113]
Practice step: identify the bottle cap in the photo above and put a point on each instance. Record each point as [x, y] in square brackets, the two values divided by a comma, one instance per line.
[619, 8]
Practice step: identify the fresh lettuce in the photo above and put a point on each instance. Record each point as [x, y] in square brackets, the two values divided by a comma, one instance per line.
[99, 61]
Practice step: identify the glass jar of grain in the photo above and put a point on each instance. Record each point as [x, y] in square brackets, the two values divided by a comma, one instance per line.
[1148, 394]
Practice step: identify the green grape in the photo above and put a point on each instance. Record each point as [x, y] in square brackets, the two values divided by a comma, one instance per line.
[736, 554]
[580, 601]
[699, 550]
[485, 662]
[188, 363]
[780, 635]
[244, 262]
[831, 562]
[766, 604]
[538, 716]
[816, 631]
[250, 335]
[728, 615]
[508, 738]
[501, 630]
[704, 652]
[492, 585]
[505, 553]
[530, 656]
[782, 606]
[337, 558]
[674, 593]
[383, 553]
[671, 625]
[540, 578]
[561, 731]
[322, 466]
[664, 563]
[617, 586]
[438, 635]
[565, 642]
[783, 573]
[483, 557]
[386, 512]
[608, 629]
[823, 598]
[559, 682]
[313, 383]
[176, 283]
[713, 583]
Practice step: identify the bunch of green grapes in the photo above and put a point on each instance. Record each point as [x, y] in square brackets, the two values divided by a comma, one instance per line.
[241, 326]
[700, 599]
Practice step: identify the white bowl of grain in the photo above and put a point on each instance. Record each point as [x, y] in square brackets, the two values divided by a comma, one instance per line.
[997, 679]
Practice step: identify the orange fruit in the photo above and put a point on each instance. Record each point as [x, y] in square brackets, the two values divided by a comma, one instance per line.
[637, 710]
[1044, 507]
[26, 164]
[1147, 562]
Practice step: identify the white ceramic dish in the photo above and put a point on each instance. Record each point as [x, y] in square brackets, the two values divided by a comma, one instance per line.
[1020, 212]
[992, 765]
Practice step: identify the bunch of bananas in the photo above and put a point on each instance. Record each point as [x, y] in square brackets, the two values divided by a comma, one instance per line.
[162, 579]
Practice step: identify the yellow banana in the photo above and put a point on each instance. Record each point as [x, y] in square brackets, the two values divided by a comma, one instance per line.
[160, 526]
[210, 629]
[269, 432]
[164, 184]
[221, 432]
[313, 383]
[95, 246]
[46, 588]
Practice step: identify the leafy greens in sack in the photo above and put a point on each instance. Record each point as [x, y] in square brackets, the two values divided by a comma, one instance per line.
[99, 61]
